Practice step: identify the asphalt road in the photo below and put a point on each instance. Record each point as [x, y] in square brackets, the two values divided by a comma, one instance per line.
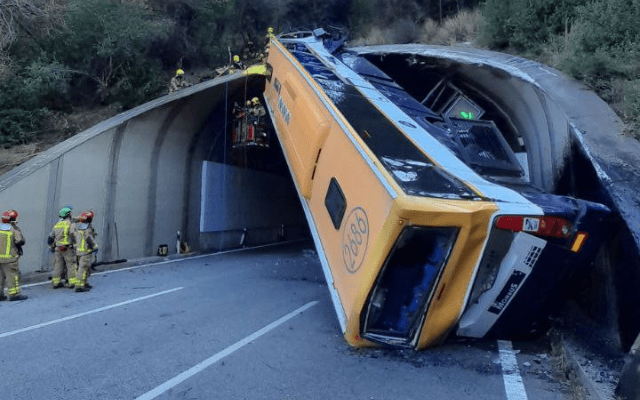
[249, 324]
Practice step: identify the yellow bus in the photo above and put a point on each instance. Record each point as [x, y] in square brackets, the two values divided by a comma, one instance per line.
[402, 224]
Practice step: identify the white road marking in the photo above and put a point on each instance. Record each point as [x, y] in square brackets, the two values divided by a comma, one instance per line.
[217, 357]
[511, 374]
[97, 310]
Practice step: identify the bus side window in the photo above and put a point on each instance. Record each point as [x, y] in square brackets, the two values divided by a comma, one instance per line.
[335, 202]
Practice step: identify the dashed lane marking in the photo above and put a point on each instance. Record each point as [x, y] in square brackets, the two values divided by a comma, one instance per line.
[511, 374]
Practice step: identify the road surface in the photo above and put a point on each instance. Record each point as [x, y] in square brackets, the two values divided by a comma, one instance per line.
[246, 324]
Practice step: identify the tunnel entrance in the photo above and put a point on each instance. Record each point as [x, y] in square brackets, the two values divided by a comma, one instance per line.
[247, 196]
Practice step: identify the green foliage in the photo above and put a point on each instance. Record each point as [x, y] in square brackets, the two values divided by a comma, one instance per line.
[631, 105]
[605, 41]
[27, 96]
[597, 41]
[111, 46]
[525, 24]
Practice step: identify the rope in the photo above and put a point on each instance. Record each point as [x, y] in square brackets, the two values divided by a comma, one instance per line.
[224, 152]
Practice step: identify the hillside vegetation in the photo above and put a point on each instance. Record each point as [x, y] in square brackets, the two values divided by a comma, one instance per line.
[67, 64]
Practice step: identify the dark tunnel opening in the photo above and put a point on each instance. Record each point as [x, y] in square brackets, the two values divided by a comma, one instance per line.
[258, 203]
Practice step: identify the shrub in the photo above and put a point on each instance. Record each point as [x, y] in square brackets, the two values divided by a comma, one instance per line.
[112, 45]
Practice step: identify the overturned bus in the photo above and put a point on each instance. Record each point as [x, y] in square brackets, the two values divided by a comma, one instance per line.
[420, 209]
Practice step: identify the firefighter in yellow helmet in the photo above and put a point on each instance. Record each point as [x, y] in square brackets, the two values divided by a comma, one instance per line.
[62, 240]
[86, 247]
[11, 242]
[178, 82]
[269, 34]
[257, 109]
[268, 37]
[237, 64]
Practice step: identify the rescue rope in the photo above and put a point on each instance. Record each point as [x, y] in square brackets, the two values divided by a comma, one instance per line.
[224, 154]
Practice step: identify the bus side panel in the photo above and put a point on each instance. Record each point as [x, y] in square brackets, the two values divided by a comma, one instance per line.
[357, 248]
[303, 127]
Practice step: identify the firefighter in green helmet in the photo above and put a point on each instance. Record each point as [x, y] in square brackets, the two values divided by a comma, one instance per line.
[62, 240]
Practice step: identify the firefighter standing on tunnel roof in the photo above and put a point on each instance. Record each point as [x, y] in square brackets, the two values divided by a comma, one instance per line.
[11, 242]
[61, 239]
[86, 247]
[178, 81]
[268, 37]
[237, 64]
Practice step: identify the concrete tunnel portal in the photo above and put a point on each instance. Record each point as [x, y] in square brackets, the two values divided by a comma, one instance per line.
[152, 171]
[167, 165]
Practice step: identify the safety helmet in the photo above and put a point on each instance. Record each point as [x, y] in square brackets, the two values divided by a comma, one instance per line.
[248, 102]
[270, 30]
[255, 101]
[179, 72]
[236, 58]
[86, 216]
[13, 215]
[6, 217]
[65, 211]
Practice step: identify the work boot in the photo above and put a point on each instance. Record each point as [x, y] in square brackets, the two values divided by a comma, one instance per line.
[58, 286]
[88, 286]
[18, 297]
[2, 297]
[82, 289]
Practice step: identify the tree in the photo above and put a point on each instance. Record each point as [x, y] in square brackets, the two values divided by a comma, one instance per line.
[30, 16]
[111, 47]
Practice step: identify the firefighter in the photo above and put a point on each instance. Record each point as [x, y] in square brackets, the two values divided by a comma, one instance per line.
[11, 242]
[61, 240]
[257, 112]
[237, 64]
[178, 82]
[86, 247]
[269, 35]
[257, 109]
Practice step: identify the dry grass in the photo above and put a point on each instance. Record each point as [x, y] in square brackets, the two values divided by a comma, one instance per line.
[63, 127]
[460, 29]
[10, 158]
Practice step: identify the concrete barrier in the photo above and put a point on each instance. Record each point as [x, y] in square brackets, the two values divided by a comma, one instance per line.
[141, 172]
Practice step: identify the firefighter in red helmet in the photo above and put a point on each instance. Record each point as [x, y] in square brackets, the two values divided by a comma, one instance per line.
[86, 247]
[11, 242]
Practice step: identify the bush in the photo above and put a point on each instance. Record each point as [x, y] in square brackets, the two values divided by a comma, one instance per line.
[112, 46]
[631, 105]
[525, 25]
[27, 97]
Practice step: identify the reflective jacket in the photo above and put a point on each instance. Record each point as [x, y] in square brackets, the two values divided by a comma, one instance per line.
[85, 239]
[11, 241]
[62, 233]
